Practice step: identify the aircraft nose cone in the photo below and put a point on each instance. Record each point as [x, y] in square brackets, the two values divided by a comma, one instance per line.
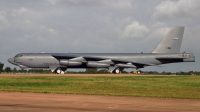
[11, 60]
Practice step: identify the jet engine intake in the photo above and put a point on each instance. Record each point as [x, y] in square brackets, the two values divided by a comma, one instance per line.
[95, 64]
[70, 63]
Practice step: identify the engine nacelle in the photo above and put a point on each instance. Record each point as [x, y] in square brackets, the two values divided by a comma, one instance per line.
[126, 65]
[96, 64]
[70, 63]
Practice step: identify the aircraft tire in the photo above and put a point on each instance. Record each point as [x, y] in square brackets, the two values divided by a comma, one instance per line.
[117, 71]
[58, 71]
[62, 72]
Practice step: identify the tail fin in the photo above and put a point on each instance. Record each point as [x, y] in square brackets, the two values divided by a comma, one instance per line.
[171, 42]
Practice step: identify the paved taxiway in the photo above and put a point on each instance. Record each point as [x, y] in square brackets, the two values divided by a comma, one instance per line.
[37, 102]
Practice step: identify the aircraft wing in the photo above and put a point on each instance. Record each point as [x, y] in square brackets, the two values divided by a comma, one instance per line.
[94, 58]
[119, 61]
[64, 56]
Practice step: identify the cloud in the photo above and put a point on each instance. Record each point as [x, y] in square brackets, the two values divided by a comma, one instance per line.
[177, 9]
[53, 2]
[118, 4]
[77, 2]
[3, 20]
[21, 26]
[135, 30]
[25, 20]
[17, 18]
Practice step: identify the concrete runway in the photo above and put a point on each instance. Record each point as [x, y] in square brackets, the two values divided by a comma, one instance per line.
[38, 102]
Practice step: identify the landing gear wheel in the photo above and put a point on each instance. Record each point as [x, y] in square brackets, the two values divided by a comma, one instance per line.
[62, 72]
[58, 71]
[117, 71]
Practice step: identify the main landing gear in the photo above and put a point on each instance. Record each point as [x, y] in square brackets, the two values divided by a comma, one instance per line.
[118, 70]
[60, 71]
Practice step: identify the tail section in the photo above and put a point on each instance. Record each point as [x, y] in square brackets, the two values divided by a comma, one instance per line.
[171, 42]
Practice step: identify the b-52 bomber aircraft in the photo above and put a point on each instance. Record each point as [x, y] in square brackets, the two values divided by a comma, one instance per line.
[167, 51]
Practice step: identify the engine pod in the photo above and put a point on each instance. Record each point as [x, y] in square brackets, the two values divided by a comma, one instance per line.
[95, 64]
[70, 63]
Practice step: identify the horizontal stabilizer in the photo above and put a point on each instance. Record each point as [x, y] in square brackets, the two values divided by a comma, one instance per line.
[171, 58]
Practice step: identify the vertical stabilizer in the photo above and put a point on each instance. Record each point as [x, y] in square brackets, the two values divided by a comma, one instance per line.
[171, 42]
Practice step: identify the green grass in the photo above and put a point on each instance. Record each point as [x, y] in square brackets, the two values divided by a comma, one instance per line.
[183, 87]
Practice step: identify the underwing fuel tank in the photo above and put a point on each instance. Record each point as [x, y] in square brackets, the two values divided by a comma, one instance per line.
[97, 64]
[70, 62]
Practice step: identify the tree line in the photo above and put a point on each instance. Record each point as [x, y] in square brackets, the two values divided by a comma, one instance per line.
[14, 70]
[1, 67]
[46, 71]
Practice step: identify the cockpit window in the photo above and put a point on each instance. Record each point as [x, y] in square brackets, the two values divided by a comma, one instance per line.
[19, 55]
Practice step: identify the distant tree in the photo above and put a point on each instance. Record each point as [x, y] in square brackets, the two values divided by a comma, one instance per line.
[1, 67]
[124, 72]
[163, 72]
[103, 71]
[42, 71]
[47, 71]
[153, 72]
[22, 71]
[197, 72]
[14, 70]
[91, 70]
[190, 72]
[168, 73]
[81, 72]
[181, 73]
[7, 69]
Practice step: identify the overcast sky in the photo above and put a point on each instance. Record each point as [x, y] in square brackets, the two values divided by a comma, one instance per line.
[97, 26]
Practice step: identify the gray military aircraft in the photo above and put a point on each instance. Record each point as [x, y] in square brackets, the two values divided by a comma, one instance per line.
[167, 51]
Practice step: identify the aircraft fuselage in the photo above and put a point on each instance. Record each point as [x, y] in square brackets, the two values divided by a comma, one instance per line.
[44, 60]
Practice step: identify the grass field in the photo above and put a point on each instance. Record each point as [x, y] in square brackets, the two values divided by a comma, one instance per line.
[183, 87]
